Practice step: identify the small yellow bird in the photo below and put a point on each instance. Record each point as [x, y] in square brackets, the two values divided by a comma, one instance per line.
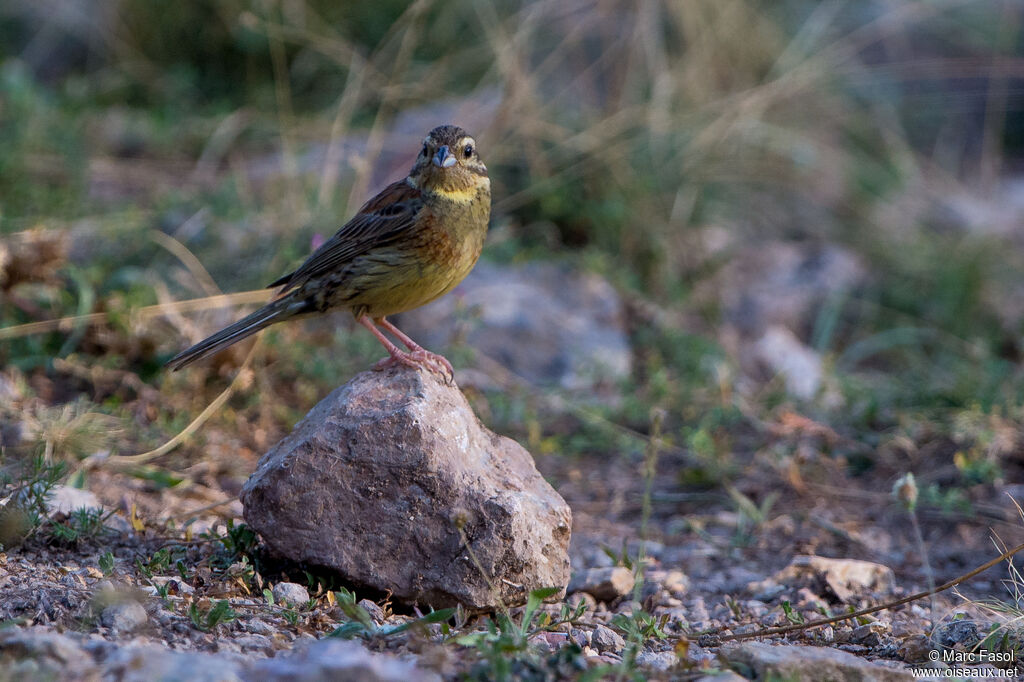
[410, 244]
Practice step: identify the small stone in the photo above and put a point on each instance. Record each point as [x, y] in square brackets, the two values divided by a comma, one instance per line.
[605, 639]
[628, 607]
[290, 593]
[843, 633]
[915, 649]
[372, 608]
[727, 676]
[604, 584]
[124, 616]
[387, 478]
[804, 663]
[575, 598]
[550, 641]
[580, 638]
[37, 644]
[660, 660]
[334, 659]
[254, 643]
[845, 579]
[144, 663]
[958, 632]
[676, 582]
[259, 627]
[768, 590]
[870, 634]
[801, 367]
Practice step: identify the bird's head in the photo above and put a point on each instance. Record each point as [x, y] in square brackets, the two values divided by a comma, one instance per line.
[449, 165]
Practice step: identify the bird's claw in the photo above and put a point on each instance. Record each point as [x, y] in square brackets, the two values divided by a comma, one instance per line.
[421, 358]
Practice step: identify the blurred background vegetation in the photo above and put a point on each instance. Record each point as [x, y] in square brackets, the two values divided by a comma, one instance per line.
[840, 178]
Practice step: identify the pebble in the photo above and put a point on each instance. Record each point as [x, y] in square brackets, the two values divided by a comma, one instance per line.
[374, 609]
[964, 632]
[124, 617]
[661, 660]
[575, 598]
[607, 640]
[291, 593]
[628, 607]
[870, 634]
[915, 649]
[581, 638]
[604, 584]
[254, 643]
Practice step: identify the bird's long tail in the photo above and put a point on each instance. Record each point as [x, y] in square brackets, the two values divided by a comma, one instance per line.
[275, 311]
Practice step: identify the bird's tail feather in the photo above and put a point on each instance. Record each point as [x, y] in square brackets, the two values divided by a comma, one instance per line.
[275, 311]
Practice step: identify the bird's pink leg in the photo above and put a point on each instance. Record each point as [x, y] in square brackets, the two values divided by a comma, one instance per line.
[409, 343]
[417, 351]
[417, 357]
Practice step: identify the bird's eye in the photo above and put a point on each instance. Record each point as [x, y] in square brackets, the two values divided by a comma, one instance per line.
[425, 151]
[468, 151]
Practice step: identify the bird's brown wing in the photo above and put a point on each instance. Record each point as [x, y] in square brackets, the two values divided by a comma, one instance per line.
[381, 220]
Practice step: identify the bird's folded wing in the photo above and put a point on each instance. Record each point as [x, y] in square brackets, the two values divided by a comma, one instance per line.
[383, 219]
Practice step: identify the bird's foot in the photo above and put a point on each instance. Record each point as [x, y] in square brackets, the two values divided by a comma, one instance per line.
[420, 358]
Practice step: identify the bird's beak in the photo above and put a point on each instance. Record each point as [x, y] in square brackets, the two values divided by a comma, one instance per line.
[444, 159]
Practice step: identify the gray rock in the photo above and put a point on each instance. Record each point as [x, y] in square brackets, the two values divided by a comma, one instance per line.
[259, 627]
[804, 663]
[604, 584]
[674, 581]
[544, 323]
[372, 608]
[870, 634]
[784, 354]
[727, 676]
[575, 598]
[332, 659]
[292, 593]
[605, 639]
[915, 648]
[124, 616]
[35, 653]
[254, 643]
[156, 664]
[386, 477]
[846, 579]
[657, 660]
[958, 632]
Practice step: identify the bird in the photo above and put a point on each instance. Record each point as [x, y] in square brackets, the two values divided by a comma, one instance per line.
[409, 245]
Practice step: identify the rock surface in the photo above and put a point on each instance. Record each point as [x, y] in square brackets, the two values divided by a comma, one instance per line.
[606, 639]
[38, 654]
[542, 322]
[386, 477]
[124, 617]
[606, 583]
[333, 659]
[805, 663]
[291, 593]
[844, 579]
